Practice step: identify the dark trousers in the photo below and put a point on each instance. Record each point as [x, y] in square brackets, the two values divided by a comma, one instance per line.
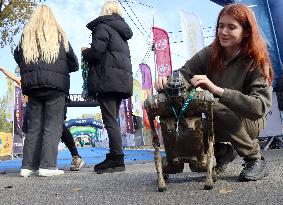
[44, 133]
[68, 140]
[66, 137]
[110, 105]
[240, 131]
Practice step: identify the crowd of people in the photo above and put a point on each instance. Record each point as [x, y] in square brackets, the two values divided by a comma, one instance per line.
[235, 68]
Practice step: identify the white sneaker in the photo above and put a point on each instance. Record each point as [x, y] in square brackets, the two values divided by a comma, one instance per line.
[27, 172]
[50, 172]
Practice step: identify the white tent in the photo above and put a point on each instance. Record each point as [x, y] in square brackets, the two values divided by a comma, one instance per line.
[273, 126]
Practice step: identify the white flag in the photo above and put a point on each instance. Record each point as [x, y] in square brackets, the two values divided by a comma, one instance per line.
[192, 33]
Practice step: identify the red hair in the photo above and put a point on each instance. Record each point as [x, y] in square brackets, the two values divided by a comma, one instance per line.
[253, 45]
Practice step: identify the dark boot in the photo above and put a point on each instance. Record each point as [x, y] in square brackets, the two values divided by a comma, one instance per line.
[224, 154]
[112, 163]
[254, 169]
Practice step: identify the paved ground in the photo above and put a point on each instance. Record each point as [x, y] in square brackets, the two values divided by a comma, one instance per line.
[138, 186]
[90, 155]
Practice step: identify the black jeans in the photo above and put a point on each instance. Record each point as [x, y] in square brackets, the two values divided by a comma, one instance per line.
[110, 105]
[68, 140]
[66, 137]
[44, 133]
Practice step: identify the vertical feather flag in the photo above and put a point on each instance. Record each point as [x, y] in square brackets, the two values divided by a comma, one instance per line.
[10, 100]
[128, 115]
[192, 33]
[137, 98]
[162, 52]
[146, 89]
[18, 122]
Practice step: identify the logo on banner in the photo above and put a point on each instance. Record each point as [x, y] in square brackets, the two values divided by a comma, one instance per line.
[161, 44]
[162, 52]
[164, 70]
[18, 107]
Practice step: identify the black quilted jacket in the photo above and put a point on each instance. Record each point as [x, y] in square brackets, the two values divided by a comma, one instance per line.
[110, 68]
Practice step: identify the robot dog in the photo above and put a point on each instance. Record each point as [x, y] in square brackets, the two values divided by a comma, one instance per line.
[181, 109]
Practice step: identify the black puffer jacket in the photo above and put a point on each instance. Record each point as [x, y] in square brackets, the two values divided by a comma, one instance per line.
[43, 75]
[110, 68]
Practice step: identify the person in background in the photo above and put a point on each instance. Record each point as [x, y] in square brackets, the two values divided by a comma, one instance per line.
[110, 76]
[236, 68]
[45, 58]
[66, 137]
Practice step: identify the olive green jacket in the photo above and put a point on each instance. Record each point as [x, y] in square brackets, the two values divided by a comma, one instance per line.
[246, 92]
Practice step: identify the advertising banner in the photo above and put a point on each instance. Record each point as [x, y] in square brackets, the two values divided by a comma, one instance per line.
[137, 98]
[192, 33]
[84, 68]
[5, 144]
[18, 122]
[128, 115]
[10, 102]
[146, 89]
[162, 52]
[122, 119]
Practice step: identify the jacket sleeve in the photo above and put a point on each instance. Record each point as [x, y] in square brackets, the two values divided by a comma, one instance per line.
[255, 103]
[100, 39]
[72, 60]
[197, 65]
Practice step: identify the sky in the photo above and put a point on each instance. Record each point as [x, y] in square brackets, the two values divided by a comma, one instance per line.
[141, 15]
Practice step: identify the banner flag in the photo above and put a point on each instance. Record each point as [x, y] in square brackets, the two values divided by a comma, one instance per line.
[122, 119]
[18, 122]
[192, 33]
[146, 76]
[10, 100]
[18, 107]
[146, 89]
[162, 52]
[84, 68]
[128, 115]
[137, 98]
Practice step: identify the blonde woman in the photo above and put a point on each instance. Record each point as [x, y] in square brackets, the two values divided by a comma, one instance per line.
[66, 137]
[110, 76]
[45, 58]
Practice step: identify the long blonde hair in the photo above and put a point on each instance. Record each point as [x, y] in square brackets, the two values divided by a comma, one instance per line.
[111, 7]
[42, 37]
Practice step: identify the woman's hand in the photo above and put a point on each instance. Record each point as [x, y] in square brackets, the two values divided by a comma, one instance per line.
[83, 48]
[203, 82]
[160, 83]
[1, 69]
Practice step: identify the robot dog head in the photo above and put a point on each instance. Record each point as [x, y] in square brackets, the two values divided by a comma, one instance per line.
[177, 86]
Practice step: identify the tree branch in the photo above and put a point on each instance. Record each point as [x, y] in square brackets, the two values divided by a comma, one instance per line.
[5, 8]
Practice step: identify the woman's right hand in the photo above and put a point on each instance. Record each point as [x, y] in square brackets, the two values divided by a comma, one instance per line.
[83, 48]
[1, 69]
[160, 83]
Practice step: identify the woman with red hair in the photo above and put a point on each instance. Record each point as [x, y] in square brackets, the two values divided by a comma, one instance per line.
[236, 69]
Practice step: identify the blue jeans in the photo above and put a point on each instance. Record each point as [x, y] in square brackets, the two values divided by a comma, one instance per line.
[44, 133]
